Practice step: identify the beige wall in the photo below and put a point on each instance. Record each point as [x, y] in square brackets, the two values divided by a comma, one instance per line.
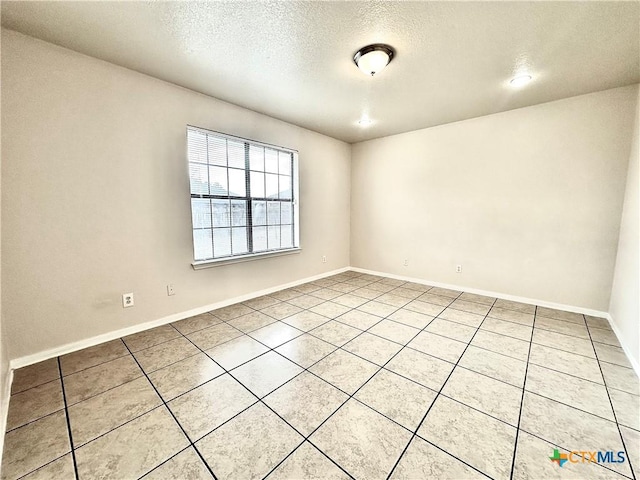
[95, 197]
[527, 201]
[625, 295]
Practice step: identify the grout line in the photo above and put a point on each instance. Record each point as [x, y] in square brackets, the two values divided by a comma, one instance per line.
[524, 389]
[172, 415]
[415, 432]
[66, 415]
[614, 412]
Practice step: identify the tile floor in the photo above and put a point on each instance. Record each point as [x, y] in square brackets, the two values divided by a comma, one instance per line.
[352, 376]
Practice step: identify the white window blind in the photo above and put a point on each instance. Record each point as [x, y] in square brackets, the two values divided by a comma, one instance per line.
[243, 196]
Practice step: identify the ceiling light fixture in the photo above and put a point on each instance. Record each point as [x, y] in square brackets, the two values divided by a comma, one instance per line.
[520, 80]
[373, 58]
[365, 122]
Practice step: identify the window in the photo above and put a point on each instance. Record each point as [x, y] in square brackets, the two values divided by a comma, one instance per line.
[243, 196]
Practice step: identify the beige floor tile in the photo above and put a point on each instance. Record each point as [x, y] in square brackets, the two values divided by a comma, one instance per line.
[325, 294]
[567, 427]
[529, 463]
[409, 293]
[358, 319]
[261, 302]
[458, 316]
[198, 322]
[413, 319]
[287, 294]
[106, 411]
[151, 337]
[344, 370]
[275, 334]
[456, 331]
[305, 402]
[394, 331]
[424, 369]
[560, 341]
[560, 315]
[344, 288]
[34, 445]
[210, 405]
[401, 400]
[372, 348]
[424, 308]
[250, 445]
[307, 462]
[381, 287]
[620, 378]
[435, 299]
[350, 300]
[306, 301]
[417, 287]
[512, 316]
[281, 311]
[381, 309]
[471, 436]
[445, 291]
[493, 397]
[423, 460]
[60, 469]
[34, 375]
[237, 351]
[438, 346]
[387, 302]
[576, 392]
[92, 356]
[471, 307]
[494, 342]
[632, 442]
[307, 288]
[515, 330]
[186, 465]
[566, 362]
[266, 373]
[335, 333]
[133, 449]
[495, 365]
[330, 309]
[627, 408]
[29, 405]
[561, 326]
[251, 321]
[474, 297]
[517, 306]
[184, 375]
[363, 442]
[231, 312]
[213, 336]
[611, 354]
[597, 322]
[104, 376]
[154, 358]
[306, 350]
[306, 320]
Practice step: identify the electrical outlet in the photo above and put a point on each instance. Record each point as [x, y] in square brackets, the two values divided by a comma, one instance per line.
[458, 268]
[406, 262]
[170, 289]
[127, 300]
[324, 259]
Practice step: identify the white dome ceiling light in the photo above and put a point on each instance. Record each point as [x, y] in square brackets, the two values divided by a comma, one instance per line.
[373, 58]
[520, 80]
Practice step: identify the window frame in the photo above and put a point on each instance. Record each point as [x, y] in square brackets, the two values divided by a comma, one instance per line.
[250, 254]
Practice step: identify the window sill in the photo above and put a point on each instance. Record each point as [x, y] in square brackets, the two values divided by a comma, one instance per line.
[245, 258]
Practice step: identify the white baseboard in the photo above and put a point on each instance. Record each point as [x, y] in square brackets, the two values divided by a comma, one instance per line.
[4, 407]
[90, 342]
[627, 351]
[503, 296]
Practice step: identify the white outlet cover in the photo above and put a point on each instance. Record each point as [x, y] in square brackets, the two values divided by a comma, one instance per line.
[127, 300]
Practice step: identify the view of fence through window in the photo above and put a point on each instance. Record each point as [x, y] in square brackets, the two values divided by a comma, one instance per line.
[242, 196]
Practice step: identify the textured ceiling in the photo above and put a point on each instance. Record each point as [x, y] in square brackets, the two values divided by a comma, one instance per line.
[293, 60]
